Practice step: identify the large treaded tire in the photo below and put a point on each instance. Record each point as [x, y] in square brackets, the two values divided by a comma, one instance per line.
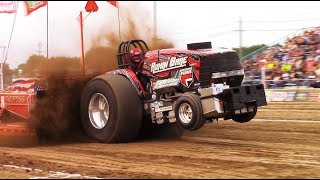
[125, 109]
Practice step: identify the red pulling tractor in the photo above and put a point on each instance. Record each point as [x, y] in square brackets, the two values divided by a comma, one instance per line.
[178, 89]
[185, 88]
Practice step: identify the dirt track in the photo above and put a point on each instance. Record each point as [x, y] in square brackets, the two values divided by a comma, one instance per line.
[223, 149]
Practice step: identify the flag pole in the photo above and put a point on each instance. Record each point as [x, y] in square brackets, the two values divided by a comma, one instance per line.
[47, 62]
[14, 22]
[82, 46]
[47, 30]
[119, 21]
[6, 57]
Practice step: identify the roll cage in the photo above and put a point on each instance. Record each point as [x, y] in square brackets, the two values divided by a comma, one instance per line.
[123, 56]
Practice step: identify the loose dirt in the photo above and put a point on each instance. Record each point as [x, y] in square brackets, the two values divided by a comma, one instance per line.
[223, 149]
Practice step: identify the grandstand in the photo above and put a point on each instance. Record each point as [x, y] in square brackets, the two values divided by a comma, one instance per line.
[293, 62]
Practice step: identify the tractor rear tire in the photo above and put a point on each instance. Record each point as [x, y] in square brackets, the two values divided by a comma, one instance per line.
[114, 102]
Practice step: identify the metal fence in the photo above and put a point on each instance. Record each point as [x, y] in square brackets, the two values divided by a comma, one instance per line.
[289, 83]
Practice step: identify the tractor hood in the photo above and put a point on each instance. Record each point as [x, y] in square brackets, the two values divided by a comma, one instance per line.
[217, 60]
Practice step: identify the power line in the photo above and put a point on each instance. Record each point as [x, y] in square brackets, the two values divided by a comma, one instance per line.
[14, 21]
[276, 29]
[219, 34]
[275, 21]
[269, 30]
[219, 27]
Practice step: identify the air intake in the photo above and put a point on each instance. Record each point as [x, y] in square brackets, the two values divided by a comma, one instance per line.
[201, 45]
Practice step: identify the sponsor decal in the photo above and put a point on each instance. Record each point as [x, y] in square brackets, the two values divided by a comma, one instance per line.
[15, 99]
[273, 95]
[171, 63]
[302, 96]
[279, 96]
[156, 104]
[167, 108]
[291, 96]
[166, 83]
[186, 77]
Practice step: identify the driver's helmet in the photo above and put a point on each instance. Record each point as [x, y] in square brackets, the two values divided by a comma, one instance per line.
[136, 55]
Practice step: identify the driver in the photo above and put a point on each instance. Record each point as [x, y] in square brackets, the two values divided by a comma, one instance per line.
[136, 58]
[137, 61]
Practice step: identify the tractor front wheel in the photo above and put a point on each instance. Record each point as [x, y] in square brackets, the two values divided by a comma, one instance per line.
[189, 113]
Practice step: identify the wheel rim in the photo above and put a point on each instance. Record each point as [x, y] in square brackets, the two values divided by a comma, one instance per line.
[185, 113]
[98, 111]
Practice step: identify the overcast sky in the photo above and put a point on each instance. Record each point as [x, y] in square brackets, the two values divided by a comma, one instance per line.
[181, 22]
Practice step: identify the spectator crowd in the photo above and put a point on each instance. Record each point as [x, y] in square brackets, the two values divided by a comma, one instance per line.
[296, 63]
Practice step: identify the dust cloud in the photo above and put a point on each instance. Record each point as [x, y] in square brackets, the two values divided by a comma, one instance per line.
[56, 113]
[102, 56]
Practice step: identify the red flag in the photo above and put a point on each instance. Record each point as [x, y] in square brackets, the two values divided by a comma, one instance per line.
[34, 5]
[91, 6]
[8, 6]
[114, 3]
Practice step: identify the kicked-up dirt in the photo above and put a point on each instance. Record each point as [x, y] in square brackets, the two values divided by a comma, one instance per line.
[273, 148]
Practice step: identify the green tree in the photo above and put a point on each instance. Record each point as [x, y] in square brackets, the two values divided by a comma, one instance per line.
[250, 49]
[39, 66]
[16, 72]
[32, 68]
[7, 74]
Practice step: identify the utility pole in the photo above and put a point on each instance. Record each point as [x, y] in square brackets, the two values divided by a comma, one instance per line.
[240, 39]
[155, 19]
[39, 48]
